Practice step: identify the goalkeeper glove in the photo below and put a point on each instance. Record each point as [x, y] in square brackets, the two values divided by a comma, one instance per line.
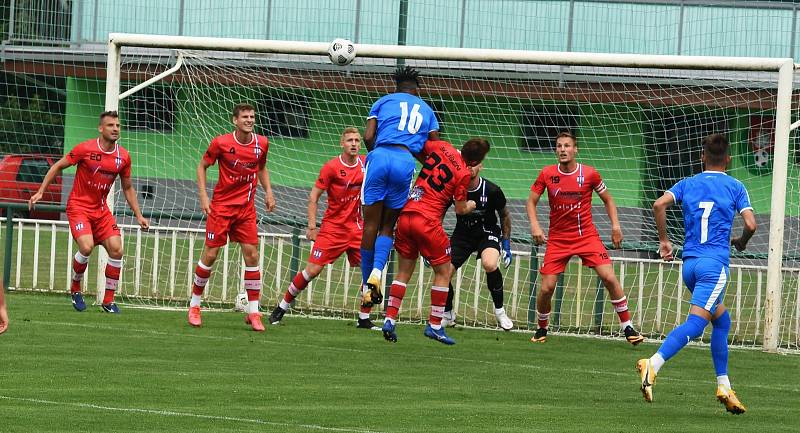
[506, 252]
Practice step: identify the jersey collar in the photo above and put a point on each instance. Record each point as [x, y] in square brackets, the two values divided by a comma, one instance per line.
[355, 164]
[252, 139]
[107, 152]
[577, 167]
[715, 171]
[480, 184]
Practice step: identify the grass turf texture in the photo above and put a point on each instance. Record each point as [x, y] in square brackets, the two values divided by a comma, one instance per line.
[147, 370]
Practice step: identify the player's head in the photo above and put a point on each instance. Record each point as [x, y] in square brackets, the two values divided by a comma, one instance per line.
[566, 147]
[716, 151]
[109, 126]
[350, 141]
[244, 117]
[473, 151]
[407, 79]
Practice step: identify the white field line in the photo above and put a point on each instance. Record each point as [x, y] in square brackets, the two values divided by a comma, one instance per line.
[171, 413]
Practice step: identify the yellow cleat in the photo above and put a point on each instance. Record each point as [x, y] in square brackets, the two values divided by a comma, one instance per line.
[372, 296]
[648, 378]
[727, 397]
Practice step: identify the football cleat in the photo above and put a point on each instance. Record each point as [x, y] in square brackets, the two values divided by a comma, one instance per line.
[367, 324]
[194, 316]
[110, 308]
[438, 335]
[540, 336]
[449, 319]
[388, 331]
[648, 378]
[372, 296]
[77, 301]
[633, 336]
[504, 321]
[727, 397]
[276, 315]
[254, 320]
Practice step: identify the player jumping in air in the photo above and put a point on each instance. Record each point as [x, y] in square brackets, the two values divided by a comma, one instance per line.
[340, 232]
[397, 127]
[444, 179]
[710, 201]
[242, 157]
[100, 160]
[569, 188]
[478, 232]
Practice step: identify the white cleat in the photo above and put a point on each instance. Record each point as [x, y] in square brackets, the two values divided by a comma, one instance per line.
[503, 320]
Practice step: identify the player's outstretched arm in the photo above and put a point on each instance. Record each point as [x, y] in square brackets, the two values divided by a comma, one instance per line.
[749, 228]
[369, 133]
[205, 203]
[54, 171]
[660, 215]
[463, 207]
[611, 210]
[313, 200]
[536, 230]
[263, 178]
[133, 202]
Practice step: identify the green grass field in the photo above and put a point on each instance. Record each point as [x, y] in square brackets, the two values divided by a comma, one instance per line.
[146, 371]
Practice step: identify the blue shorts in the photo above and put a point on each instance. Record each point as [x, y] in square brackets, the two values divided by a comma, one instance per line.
[387, 177]
[707, 280]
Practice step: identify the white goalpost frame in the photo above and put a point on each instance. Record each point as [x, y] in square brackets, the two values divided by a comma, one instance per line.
[784, 67]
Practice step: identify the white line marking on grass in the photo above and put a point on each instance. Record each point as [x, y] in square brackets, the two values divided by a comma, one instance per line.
[187, 415]
[581, 371]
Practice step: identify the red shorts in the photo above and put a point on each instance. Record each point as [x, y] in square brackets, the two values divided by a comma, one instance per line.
[417, 235]
[591, 251]
[332, 242]
[99, 223]
[237, 221]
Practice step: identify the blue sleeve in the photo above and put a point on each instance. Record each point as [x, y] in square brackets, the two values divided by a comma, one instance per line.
[677, 190]
[376, 107]
[434, 122]
[742, 199]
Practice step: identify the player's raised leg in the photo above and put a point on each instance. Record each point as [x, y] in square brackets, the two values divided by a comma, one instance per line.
[494, 281]
[620, 303]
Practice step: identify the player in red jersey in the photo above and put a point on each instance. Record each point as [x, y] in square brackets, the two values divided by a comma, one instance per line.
[242, 157]
[444, 179]
[569, 188]
[99, 161]
[342, 224]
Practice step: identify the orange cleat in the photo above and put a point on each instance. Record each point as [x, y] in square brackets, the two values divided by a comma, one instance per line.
[194, 317]
[254, 320]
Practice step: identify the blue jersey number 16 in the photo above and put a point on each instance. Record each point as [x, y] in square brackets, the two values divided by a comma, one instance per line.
[413, 121]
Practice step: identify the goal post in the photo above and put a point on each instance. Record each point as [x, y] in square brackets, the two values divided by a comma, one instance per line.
[459, 77]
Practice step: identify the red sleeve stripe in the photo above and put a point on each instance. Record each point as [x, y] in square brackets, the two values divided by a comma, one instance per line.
[600, 188]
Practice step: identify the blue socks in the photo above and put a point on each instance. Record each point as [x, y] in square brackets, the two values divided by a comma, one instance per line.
[383, 246]
[680, 336]
[719, 343]
[367, 258]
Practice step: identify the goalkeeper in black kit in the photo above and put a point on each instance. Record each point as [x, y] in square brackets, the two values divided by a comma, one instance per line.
[479, 232]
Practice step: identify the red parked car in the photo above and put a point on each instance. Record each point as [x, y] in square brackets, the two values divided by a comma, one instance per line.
[20, 177]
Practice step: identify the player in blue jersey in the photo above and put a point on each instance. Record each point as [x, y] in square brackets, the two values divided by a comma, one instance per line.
[709, 201]
[397, 128]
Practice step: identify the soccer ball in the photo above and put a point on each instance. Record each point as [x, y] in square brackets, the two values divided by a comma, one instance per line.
[241, 302]
[761, 158]
[341, 52]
